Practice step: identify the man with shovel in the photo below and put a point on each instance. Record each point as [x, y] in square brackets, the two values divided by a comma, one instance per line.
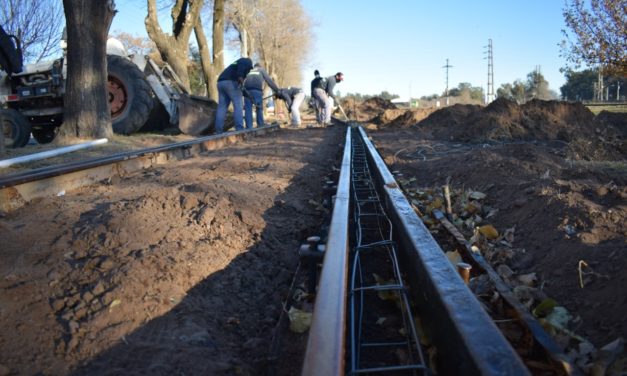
[293, 97]
[253, 94]
[230, 83]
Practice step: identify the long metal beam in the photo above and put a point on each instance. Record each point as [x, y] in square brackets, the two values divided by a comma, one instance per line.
[326, 343]
[467, 340]
[19, 188]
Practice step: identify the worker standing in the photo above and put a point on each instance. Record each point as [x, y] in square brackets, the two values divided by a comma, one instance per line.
[293, 97]
[331, 99]
[230, 84]
[318, 93]
[254, 87]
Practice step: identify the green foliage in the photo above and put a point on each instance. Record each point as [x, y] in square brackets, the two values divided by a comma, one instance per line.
[467, 92]
[431, 97]
[362, 97]
[580, 86]
[535, 87]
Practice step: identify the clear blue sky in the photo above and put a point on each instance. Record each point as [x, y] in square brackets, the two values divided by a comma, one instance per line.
[401, 45]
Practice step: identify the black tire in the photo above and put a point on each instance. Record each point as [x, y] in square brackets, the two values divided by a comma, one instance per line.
[130, 95]
[15, 127]
[44, 135]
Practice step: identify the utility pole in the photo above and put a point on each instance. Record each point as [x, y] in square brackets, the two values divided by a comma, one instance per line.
[447, 66]
[599, 86]
[490, 91]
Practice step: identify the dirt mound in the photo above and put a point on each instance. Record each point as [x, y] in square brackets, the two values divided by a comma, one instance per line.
[505, 120]
[401, 118]
[368, 109]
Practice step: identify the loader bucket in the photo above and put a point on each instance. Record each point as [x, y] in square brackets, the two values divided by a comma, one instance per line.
[196, 114]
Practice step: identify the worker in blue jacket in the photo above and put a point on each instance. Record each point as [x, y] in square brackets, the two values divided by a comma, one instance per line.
[253, 95]
[230, 83]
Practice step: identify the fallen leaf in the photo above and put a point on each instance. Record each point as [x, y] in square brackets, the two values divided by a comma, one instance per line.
[528, 279]
[114, 303]
[454, 257]
[544, 308]
[489, 232]
[476, 195]
[504, 271]
[300, 321]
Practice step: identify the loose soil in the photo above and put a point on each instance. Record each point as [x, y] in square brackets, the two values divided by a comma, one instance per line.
[181, 269]
[555, 175]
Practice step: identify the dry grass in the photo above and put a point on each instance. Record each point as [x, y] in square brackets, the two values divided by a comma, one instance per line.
[596, 109]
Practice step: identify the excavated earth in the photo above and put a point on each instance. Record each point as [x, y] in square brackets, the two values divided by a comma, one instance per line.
[184, 270]
[554, 175]
[177, 270]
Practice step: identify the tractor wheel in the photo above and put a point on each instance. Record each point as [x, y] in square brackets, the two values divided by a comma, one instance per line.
[15, 127]
[130, 96]
[45, 135]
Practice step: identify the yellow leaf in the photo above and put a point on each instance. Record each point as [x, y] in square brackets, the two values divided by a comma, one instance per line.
[454, 257]
[489, 232]
[300, 321]
[114, 303]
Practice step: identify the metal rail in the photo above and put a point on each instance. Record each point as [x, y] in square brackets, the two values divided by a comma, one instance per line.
[469, 342]
[466, 339]
[326, 344]
[18, 188]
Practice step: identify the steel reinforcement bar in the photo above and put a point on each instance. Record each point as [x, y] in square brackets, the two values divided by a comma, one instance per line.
[19, 188]
[467, 340]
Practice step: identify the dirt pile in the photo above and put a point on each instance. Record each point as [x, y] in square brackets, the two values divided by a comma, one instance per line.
[565, 219]
[504, 120]
[401, 118]
[368, 109]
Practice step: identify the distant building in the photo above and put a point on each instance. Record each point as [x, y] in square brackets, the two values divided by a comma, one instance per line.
[406, 102]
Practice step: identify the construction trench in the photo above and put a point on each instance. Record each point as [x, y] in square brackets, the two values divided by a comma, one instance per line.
[200, 258]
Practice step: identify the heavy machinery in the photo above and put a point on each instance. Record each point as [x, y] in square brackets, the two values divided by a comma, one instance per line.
[141, 95]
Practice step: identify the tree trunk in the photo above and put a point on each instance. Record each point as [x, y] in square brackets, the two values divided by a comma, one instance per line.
[174, 48]
[86, 111]
[212, 65]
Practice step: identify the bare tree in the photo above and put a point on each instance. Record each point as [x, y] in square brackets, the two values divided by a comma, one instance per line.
[599, 31]
[135, 44]
[86, 112]
[212, 62]
[174, 48]
[242, 15]
[282, 33]
[37, 24]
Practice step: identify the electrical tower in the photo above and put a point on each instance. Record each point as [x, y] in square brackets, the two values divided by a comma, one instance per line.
[490, 92]
[447, 66]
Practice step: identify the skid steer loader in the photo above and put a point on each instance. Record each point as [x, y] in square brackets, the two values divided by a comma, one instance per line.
[141, 95]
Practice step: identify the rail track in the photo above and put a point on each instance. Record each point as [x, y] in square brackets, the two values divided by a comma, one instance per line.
[18, 188]
[388, 301]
